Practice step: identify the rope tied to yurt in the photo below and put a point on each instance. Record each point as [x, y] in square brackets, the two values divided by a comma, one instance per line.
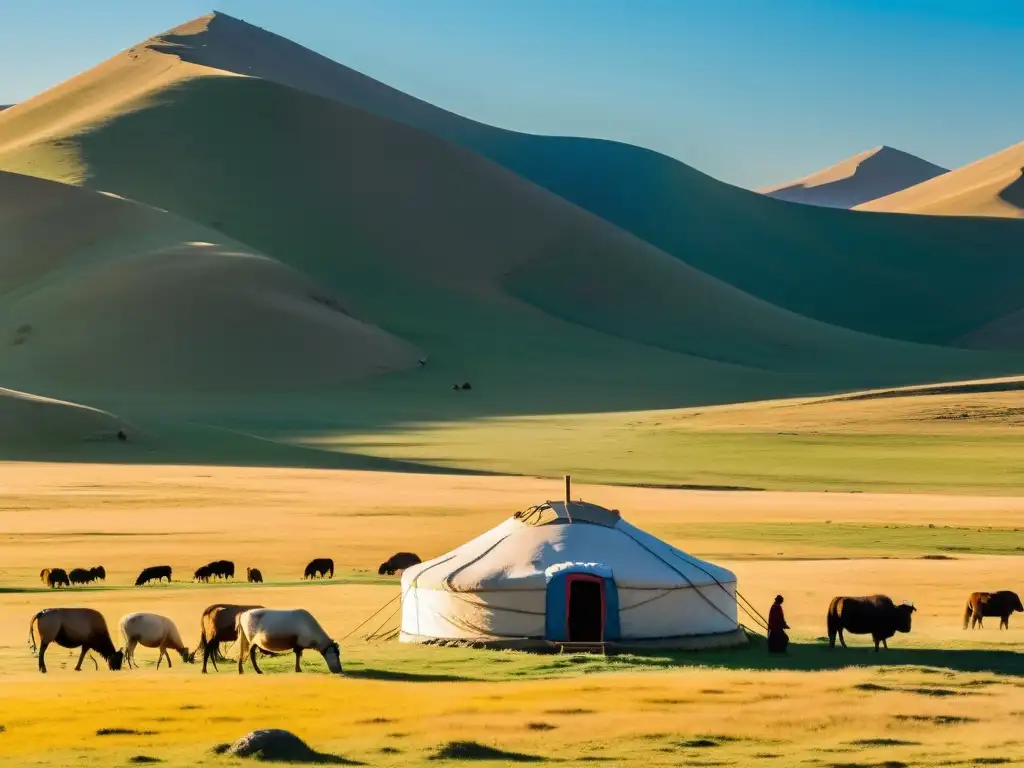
[734, 596]
[369, 618]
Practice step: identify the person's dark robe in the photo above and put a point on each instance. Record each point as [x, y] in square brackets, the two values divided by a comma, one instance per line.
[778, 640]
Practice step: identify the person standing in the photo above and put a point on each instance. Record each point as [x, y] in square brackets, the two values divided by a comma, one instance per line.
[778, 640]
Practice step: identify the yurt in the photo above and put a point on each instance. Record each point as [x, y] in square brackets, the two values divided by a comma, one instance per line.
[569, 573]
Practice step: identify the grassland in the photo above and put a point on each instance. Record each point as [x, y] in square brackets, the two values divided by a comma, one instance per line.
[939, 696]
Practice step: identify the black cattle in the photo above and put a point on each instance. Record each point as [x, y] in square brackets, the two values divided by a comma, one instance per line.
[154, 573]
[875, 615]
[202, 574]
[225, 569]
[1001, 604]
[57, 577]
[81, 576]
[253, 576]
[99, 573]
[319, 568]
[398, 562]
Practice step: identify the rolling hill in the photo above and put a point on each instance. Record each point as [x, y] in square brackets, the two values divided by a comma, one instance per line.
[277, 246]
[859, 179]
[992, 186]
[908, 278]
[99, 294]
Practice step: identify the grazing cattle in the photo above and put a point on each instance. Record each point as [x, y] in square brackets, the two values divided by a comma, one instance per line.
[57, 577]
[151, 630]
[73, 628]
[875, 615]
[982, 604]
[202, 573]
[81, 576]
[319, 568]
[253, 576]
[154, 573]
[225, 569]
[276, 632]
[99, 573]
[218, 625]
[398, 562]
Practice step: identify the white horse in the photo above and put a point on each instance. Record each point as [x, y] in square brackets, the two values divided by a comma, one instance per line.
[277, 632]
[150, 630]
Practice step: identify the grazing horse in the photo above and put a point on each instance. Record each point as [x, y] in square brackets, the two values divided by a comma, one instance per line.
[217, 626]
[150, 630]
[1001, 604]
[281, 631]
[73, 628]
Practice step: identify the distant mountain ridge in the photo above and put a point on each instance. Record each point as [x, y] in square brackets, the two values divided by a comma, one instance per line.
[992, 186]
[859, 179]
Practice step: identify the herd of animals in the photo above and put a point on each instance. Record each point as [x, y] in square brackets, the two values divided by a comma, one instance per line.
[275, 632]
[318, 568]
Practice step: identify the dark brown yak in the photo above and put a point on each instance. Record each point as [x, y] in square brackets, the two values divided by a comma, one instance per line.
[57, 577]
[218, 626]
[398, 562]
[154, 573]
[875, 615]
[1001, 604]
[319, 568]
[73, 628]
[253, 576]
[81, 576]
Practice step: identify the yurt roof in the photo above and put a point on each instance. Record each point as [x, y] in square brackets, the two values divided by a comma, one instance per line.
[560, 513]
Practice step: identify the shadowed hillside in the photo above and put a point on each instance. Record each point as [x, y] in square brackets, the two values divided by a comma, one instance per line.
[927, 281]
[859, 179]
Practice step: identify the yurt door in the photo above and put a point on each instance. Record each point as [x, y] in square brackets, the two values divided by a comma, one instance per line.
[585, 609]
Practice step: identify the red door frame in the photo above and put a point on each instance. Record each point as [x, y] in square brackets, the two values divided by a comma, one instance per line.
[573, 577]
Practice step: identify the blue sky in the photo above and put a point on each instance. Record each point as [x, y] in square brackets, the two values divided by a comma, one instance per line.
[753, 92]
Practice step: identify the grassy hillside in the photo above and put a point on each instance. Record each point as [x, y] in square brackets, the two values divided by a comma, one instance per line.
[99, 294]
[441, 247]
[910, 278]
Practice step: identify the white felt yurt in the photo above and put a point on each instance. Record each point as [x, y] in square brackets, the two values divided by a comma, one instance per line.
[569, 572]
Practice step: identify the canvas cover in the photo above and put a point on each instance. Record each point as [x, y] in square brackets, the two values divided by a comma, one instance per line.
[495, 586]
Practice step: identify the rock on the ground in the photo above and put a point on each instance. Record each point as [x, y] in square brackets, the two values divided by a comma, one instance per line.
[273, 744]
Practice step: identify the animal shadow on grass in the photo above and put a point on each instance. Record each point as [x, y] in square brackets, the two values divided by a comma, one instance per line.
[813, 657]
[472, 750]
[406, 677]
[143, 759]
[123, 732]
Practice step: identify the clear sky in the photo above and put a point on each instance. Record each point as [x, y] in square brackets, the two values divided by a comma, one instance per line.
[753, 92]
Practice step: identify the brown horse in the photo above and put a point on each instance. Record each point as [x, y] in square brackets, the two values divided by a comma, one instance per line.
[1001, 604]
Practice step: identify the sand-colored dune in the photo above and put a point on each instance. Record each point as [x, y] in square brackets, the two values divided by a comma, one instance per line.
[992, 186]
[33, 422]
[845, 269]
[859, 179]
[404, 219]
[103, 294]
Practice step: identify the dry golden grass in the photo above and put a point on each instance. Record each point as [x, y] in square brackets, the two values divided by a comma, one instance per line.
[657, 711]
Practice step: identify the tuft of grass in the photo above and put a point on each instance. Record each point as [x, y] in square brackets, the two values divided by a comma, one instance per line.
[123, 732]
[143, 759]
[472, 750]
